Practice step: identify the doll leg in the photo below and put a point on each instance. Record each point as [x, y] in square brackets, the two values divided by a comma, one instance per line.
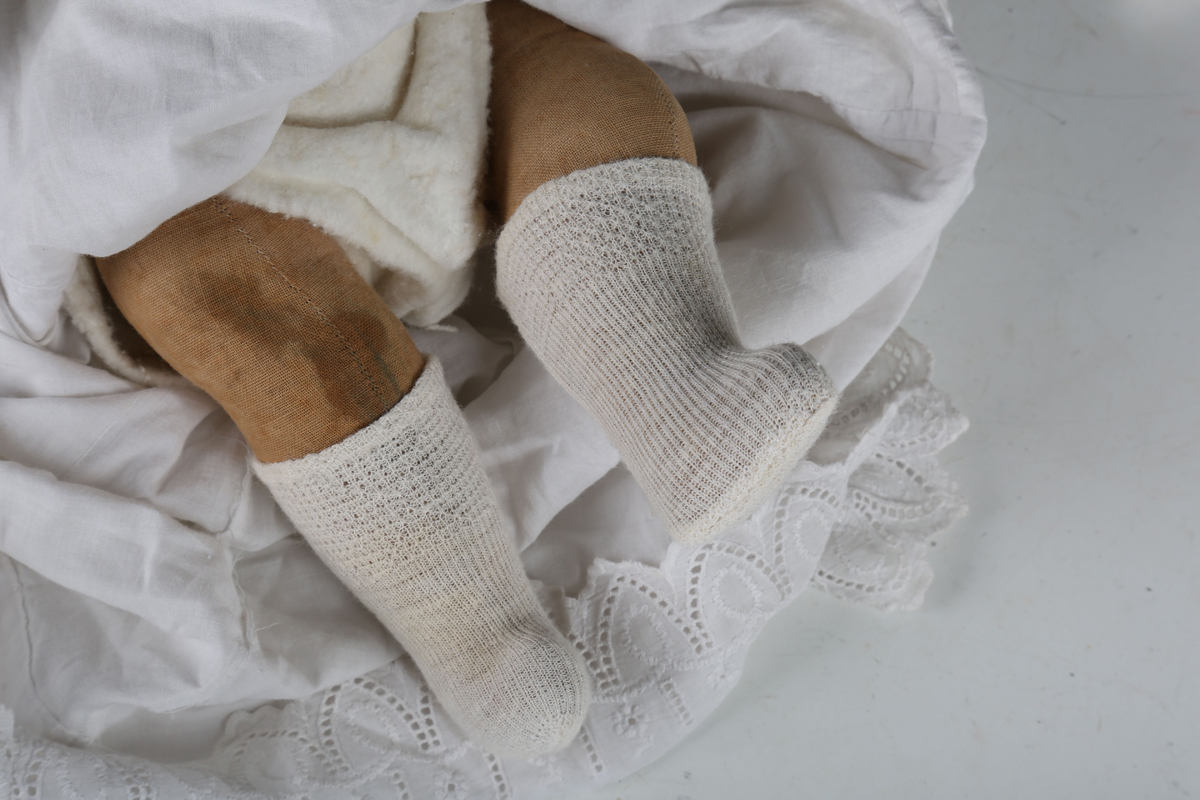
[361, 443]
[608, 266]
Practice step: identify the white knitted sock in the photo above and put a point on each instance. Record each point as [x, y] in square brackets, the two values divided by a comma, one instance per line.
[403, 514]
[611, 276]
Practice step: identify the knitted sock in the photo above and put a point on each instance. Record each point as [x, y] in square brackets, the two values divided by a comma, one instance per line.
[611, 276]
[403, 513]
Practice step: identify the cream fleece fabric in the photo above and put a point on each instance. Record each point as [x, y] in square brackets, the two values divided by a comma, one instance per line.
[386, 156]
[403, 514]
[83, 302]
[611, 275]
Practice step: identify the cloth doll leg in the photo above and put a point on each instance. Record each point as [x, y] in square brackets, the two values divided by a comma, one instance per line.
[364, 448]
[608, 266]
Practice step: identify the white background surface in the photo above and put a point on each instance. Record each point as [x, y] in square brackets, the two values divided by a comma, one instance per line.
[1058, 654]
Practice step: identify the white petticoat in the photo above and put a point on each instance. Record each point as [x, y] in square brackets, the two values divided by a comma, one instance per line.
[665, 644]
[153, 586]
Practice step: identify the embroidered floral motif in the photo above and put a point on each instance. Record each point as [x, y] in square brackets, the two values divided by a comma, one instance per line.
[628, 721]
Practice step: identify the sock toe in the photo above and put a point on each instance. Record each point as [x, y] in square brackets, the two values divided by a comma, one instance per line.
[771, 409]
[531, 700]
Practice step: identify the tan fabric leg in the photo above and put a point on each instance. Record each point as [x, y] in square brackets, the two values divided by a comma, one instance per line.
[266, 314]
[563, 100]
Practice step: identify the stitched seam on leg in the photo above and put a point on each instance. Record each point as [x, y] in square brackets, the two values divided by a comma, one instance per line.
[671, 122]
[336, 332]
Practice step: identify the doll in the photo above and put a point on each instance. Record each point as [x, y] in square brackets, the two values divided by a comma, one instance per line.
[607, 265]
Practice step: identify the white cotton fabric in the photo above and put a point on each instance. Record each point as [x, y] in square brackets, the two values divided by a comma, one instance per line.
[664, 641]
[157, 587]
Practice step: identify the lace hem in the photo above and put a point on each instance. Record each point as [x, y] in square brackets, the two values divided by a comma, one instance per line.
[665, 645]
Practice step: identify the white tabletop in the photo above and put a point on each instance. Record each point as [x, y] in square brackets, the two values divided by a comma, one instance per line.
[1058, 653]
